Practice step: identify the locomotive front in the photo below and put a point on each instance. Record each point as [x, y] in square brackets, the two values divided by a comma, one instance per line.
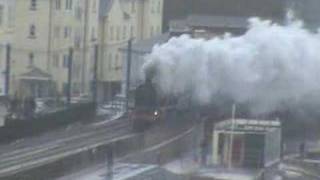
[145, 112]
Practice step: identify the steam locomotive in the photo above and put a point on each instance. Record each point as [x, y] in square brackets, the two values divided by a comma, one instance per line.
[152, 107]
[146, 109]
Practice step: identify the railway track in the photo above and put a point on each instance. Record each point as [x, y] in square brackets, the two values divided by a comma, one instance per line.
[93, 136]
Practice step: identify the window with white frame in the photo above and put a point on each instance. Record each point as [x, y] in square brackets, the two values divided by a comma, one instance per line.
[159, 7]
[124, 32]
[131, 31]
[110, 60]
[33, 4]
[67, 32]
[133, 6]
[58, 4]
[116, 62]
[56, 60]
[32, 31]
[118, 33]
[94, 6]
[151, 31]
[93, 34]
[152, 6]
[31, 59]
[1, 15]
[66, 61]
[111, 35]
[57, 31]
[68, 4]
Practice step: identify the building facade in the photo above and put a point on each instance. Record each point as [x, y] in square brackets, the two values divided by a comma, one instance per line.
[6, 30]
[121, 20]
[45, 31]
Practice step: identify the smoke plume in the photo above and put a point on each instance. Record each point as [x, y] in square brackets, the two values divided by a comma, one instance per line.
[270, 65]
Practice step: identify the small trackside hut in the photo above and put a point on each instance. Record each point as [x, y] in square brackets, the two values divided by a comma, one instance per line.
[243, 143]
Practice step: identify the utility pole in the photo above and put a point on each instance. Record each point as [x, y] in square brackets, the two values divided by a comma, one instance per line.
[8, 69]
[85, 46]
[129, 56]
[110, 163]
[232, 135]
[69, 76]
[95, 74]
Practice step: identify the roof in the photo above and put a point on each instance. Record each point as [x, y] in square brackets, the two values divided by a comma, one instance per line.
[35, 74]
[218, 21]
[104, 7]
[145, 46]
[174, 9]
[209, 21]
[248, 125]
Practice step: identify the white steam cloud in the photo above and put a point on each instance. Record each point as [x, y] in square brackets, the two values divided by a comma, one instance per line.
[266, 67]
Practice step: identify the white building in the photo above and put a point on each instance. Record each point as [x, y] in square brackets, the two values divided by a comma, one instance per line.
[121, 20]
[6, 30]
[45, 30]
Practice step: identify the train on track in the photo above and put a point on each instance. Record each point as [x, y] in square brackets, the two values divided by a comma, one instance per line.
[14, 129]
[152, 108]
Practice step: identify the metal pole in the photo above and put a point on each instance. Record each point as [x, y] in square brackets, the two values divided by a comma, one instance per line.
[110, 163]
[95, 74]
[69, 76]
[8, 69]
[232, 134]
[85, 44]
[129, 54]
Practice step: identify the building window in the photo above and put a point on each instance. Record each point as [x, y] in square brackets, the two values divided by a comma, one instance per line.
[78, 13]
[151, 31]
[133, 6]
[1, 15]
[67, 32]
[31, 59]
[131, 32]
[58, 4]
[111, 33]
[158, 30]
[32, 31]
[56, 60]
[77, 41]
[110, 65]
[65, 61]
[57, 32]
[118, 33]
[68, 4]
[159, 7]
[152, 6]
[33, 4]
[65, 88]
[94, 6]
[124, 32]
[116, 62]
[93, 34]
